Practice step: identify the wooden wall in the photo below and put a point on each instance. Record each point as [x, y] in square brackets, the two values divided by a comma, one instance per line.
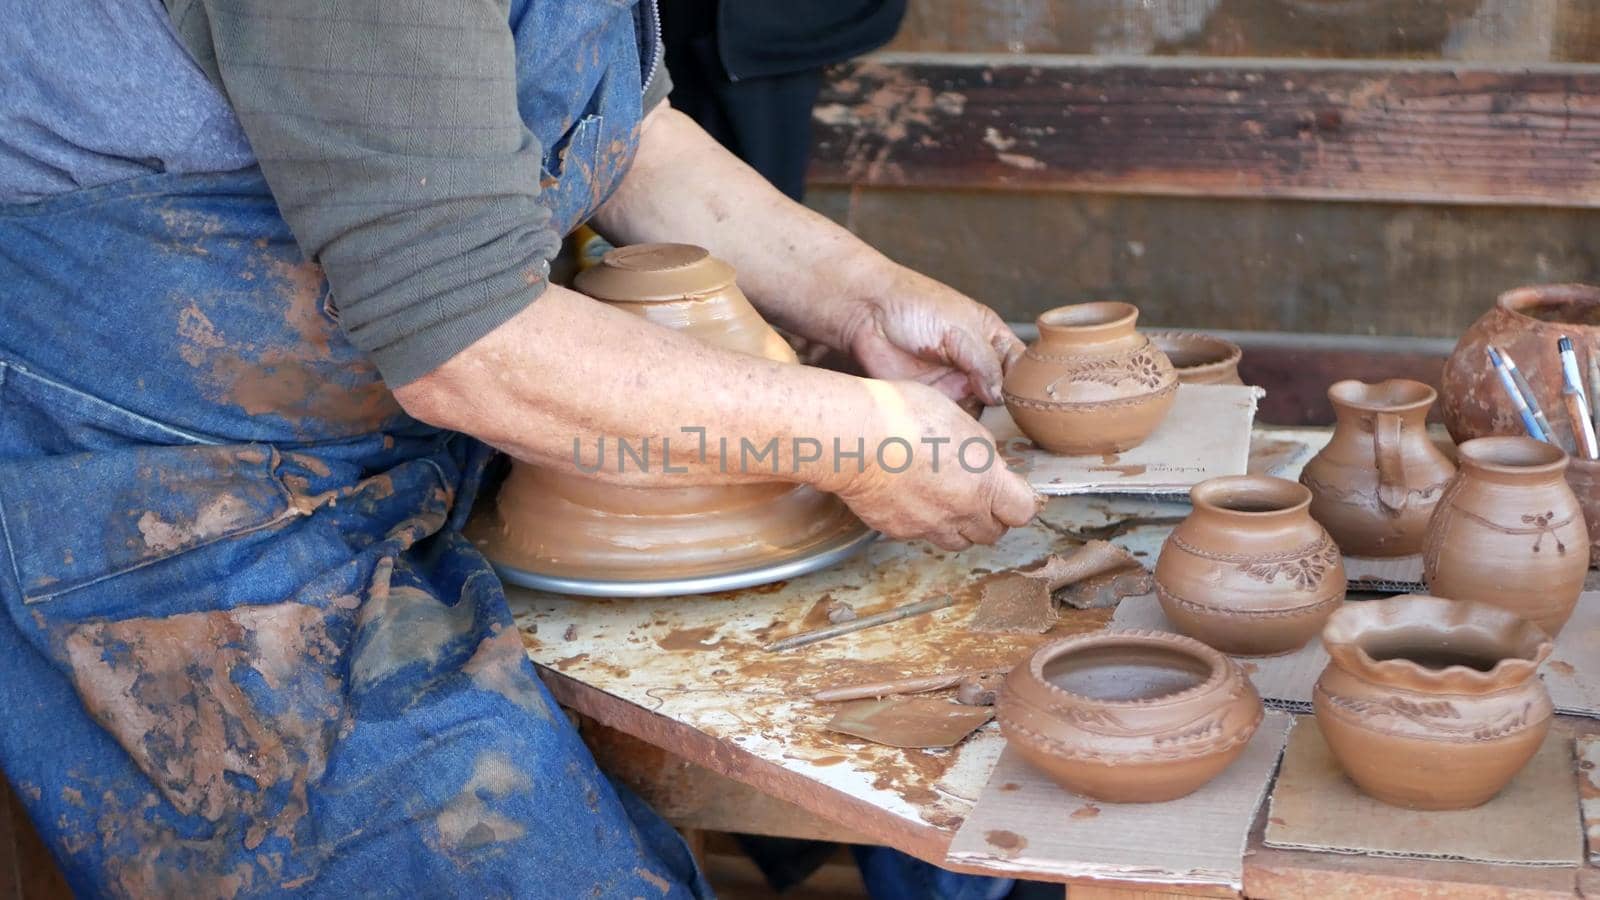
[1338, 166]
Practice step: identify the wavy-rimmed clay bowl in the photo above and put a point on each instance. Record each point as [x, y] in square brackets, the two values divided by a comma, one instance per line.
[1199, 358]
[1129, 717]
[1430, 703]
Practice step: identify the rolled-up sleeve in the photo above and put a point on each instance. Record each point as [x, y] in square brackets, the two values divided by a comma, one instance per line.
[389, 134]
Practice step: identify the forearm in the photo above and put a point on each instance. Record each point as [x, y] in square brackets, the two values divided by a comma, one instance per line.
[568, 373]
[804, 272]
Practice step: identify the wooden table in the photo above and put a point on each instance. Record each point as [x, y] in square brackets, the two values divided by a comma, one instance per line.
[689, 676]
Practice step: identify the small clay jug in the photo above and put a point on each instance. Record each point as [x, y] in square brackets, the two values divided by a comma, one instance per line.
[1130, 716]
[1509, 532]
[1375, 484]
[1431, 703]
[1249, 571]
[1199, 358]
[1091, 384]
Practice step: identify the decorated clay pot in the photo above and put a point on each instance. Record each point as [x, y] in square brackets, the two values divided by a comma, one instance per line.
[558, 522]
[1431, 703]
[1249, 571]
[1525, 323]
[1091, 383]
[1129, 717]
[1509, 532]
[1375, 484]
[1199, 358]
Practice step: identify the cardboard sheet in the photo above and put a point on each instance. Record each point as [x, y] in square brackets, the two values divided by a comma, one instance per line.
[1024, 822]
[1207, 434]
[1284, 682]
[1399, 575]
[1588, 754]
[1532, 822]
[1573, 671]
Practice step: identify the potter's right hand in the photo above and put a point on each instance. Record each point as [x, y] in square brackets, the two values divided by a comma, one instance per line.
[953, 488]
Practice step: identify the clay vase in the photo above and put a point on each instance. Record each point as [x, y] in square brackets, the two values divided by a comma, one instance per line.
[1375, 484]
[1091, 384]
[1199, 358]
[1509, 532]
[1130, 716]
[556, 522]
[1431, 703]
[1249, 571]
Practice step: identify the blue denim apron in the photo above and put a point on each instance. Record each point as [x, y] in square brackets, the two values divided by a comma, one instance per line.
[245, 649]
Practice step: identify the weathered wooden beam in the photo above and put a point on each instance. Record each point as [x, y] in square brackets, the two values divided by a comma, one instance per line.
[1387, 131]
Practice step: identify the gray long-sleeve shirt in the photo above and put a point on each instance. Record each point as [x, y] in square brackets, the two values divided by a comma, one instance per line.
[388, 131]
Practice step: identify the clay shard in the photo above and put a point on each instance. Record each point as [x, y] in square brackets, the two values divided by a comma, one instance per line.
[911, 723]
[1020, 602]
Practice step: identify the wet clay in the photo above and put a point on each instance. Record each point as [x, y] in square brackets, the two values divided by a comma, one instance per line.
[1021, 601]
[1376, 483]
[1431, 703]
[1509, 532]
[1199, 358]
[1129, 717]
[558, 522]
[910, 722]
[1091, 384]
[1249, 572]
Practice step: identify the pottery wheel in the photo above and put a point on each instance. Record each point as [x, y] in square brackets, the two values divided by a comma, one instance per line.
[576, 537]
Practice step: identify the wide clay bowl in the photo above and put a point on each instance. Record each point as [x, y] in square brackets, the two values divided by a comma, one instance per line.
[1430, 703]
[1199, 358]
[1249, 572]
[1129, 717]
[1091, 384]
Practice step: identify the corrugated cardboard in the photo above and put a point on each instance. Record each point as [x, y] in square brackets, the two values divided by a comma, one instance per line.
[1573, 671]
[1207, 434]
[1400, 575]
[1588, 753]
[1284, 682]
[1026, 823]
[1533, 822]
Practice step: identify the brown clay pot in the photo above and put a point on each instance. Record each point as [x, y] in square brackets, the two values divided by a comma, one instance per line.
[1509, 532]
[1375, 484]
[1249, 571]
[1431, 703]
[1129, 717]
[1199, 358]
[1091, 383]
[1583, 476]
[560, 523]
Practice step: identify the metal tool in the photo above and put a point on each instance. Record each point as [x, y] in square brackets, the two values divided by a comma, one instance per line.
[891, 615]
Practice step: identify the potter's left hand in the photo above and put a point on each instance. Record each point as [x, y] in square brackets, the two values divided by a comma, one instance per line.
[912, 328]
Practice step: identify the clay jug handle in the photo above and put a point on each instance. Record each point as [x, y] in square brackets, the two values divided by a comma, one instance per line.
[1392, 490]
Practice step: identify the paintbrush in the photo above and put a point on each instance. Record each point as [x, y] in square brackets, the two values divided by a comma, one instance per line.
[1577, 407]
[1594, 387]
[1528, 395]
[1515, 396]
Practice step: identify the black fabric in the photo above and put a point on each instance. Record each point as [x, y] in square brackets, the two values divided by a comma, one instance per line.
[750, 73]
[763, 39]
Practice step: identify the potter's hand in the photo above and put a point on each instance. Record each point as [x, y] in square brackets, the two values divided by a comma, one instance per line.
[913, 328]
[954, 490]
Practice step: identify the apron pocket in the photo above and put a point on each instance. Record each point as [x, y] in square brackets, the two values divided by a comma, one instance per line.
[72, 521]
[41, 416]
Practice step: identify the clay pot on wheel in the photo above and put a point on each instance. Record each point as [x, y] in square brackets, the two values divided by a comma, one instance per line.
[1509, 532]
[1129, 717]
[1375, 484]
[556, 522]
[1199, 358]
[1249, 571]
[1091, 383]
[1430, 703]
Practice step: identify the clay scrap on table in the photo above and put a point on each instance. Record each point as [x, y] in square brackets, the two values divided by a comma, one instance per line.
[1020, 602]
[1588, 753]
[910, 722]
